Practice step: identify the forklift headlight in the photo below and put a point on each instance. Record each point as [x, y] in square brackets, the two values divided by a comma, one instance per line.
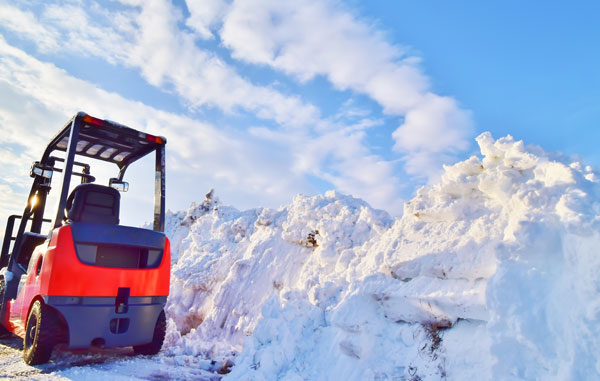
[39, 170]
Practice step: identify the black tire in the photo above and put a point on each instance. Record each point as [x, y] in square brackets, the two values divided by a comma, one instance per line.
[41, 334]
[3, 331]
[157, 339]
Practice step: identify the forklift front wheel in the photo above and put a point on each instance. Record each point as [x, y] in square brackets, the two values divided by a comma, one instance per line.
[3, 330]
[40, 334]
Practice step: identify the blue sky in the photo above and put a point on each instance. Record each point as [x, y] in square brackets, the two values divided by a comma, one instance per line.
[525, 68]
[266, 99]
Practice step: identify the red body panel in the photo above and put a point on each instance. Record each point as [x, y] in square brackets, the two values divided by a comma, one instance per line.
[62, 274]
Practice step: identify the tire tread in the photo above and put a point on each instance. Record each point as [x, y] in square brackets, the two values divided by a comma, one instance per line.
[3, 331]
[46, 338]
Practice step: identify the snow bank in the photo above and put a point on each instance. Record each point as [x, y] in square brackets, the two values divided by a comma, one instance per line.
[491, 274]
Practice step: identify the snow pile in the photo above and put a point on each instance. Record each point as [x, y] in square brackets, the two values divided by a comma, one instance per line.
[491, 274]
[229, 263]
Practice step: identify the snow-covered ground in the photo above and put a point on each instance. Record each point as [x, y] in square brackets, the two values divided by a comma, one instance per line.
[97, 364]
[492, 274]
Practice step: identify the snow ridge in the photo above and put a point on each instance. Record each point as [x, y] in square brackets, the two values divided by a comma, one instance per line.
[490, 274]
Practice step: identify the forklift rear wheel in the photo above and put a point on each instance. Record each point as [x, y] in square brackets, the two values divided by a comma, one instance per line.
[40, 334]
[157, 339]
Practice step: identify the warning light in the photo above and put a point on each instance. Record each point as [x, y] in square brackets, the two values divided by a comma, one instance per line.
[155, 139]
[92, 120]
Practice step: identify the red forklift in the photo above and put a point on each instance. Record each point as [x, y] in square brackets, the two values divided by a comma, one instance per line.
[89, 281]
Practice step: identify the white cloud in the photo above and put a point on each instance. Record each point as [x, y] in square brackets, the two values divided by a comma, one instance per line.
[303, 39]
[423, 123]
[307, 38]
[163, 52]
[79, 34]
[25, 23]
[199, 155]
[339, 155]
[11, 202]
[205, 15]
[429, 135]
[356, 171]
[148, 37]
[23, 127]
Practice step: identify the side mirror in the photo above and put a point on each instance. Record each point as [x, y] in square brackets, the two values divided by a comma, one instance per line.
[87, 179]
[38, 169]
[121, 186]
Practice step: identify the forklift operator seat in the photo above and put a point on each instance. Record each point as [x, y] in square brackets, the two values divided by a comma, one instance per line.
[93, 203]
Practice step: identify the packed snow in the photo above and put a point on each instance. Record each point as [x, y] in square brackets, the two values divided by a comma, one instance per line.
[491, 274]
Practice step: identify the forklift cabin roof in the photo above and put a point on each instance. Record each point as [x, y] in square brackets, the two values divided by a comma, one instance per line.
[106, 140]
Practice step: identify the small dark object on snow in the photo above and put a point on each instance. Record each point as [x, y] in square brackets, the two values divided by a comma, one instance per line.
[311, 240]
